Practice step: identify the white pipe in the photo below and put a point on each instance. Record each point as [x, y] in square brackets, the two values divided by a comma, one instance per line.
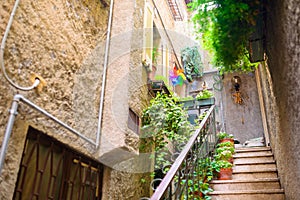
[104, 74]
[3, 47]
[10, 124]
[55, 119]
[18, 97]
[13, 112]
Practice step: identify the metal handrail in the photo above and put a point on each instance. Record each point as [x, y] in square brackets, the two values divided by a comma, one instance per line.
[199, 146]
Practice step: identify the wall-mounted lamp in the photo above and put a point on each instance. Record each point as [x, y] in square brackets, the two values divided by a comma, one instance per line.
[236, 83]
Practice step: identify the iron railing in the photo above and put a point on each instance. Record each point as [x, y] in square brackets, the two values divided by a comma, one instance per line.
[187, 174]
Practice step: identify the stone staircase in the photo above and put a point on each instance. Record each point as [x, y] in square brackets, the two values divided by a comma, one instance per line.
[254, 177]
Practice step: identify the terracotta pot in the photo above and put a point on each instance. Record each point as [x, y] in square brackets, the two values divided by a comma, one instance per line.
[227, 140]
[225, 174]
[230, 160]
[198, 194]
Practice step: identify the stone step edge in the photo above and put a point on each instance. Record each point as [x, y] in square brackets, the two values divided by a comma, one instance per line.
[256, 163]
[237, 192]
[252, 156]
[255, 171]
[254, 149]
[265, 180]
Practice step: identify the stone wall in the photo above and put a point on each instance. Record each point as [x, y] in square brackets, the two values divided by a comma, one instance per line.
[62, 41]
[281, 90]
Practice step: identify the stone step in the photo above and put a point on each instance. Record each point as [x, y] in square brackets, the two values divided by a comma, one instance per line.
[252, 149]
[253, 154]
[259, 162]
[270, 194]
[254, 174]
[253, 159]
[251, 184]
[258, 166]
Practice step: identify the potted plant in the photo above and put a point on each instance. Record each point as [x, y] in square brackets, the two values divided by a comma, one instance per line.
[225, 137]
[187, 102]
[224, 153]
[191, 62]
[223, 169]
[198, 190]
[204, 98]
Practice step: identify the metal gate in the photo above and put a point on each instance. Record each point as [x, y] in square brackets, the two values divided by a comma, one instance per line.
[50, 170]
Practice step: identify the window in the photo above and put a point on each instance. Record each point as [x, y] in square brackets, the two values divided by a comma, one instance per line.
[50, 170]
[133, 122]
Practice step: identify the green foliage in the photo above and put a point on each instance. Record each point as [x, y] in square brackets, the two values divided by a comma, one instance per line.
[191, 62]
[225, 144]
[200, 117]
[164, 122]
[205, 94]
[186, 98]
[223, 153]
[218, 164]
[224, 135]
[155, 54]
[225, 27]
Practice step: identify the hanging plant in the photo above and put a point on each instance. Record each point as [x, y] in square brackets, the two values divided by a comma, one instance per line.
[191, 62]
[225, 28]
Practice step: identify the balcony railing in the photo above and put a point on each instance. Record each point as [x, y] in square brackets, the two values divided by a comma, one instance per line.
[189, 169]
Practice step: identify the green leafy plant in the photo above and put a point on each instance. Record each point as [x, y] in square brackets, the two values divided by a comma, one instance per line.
[226, 144]
[200, 117]
[197, 190]
[188, 98]
[225, 28]
[191, 62]
[155, 54]
[205, 94]
[218, 164]
[164, 122]
[224, 135]
[223, 153]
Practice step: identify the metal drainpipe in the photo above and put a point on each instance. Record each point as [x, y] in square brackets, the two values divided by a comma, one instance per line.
[104, 74]
[2, 52]
[18, 97]
[10, 124]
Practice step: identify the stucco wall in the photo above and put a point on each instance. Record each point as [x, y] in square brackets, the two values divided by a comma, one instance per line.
[62, 41]
[243, 121]
[281, 90]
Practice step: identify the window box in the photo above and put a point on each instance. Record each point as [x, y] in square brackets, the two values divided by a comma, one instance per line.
[205, 102]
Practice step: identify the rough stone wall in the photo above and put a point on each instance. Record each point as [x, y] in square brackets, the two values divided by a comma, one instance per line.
[283, 52]
[243, 121]
[62, 41]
